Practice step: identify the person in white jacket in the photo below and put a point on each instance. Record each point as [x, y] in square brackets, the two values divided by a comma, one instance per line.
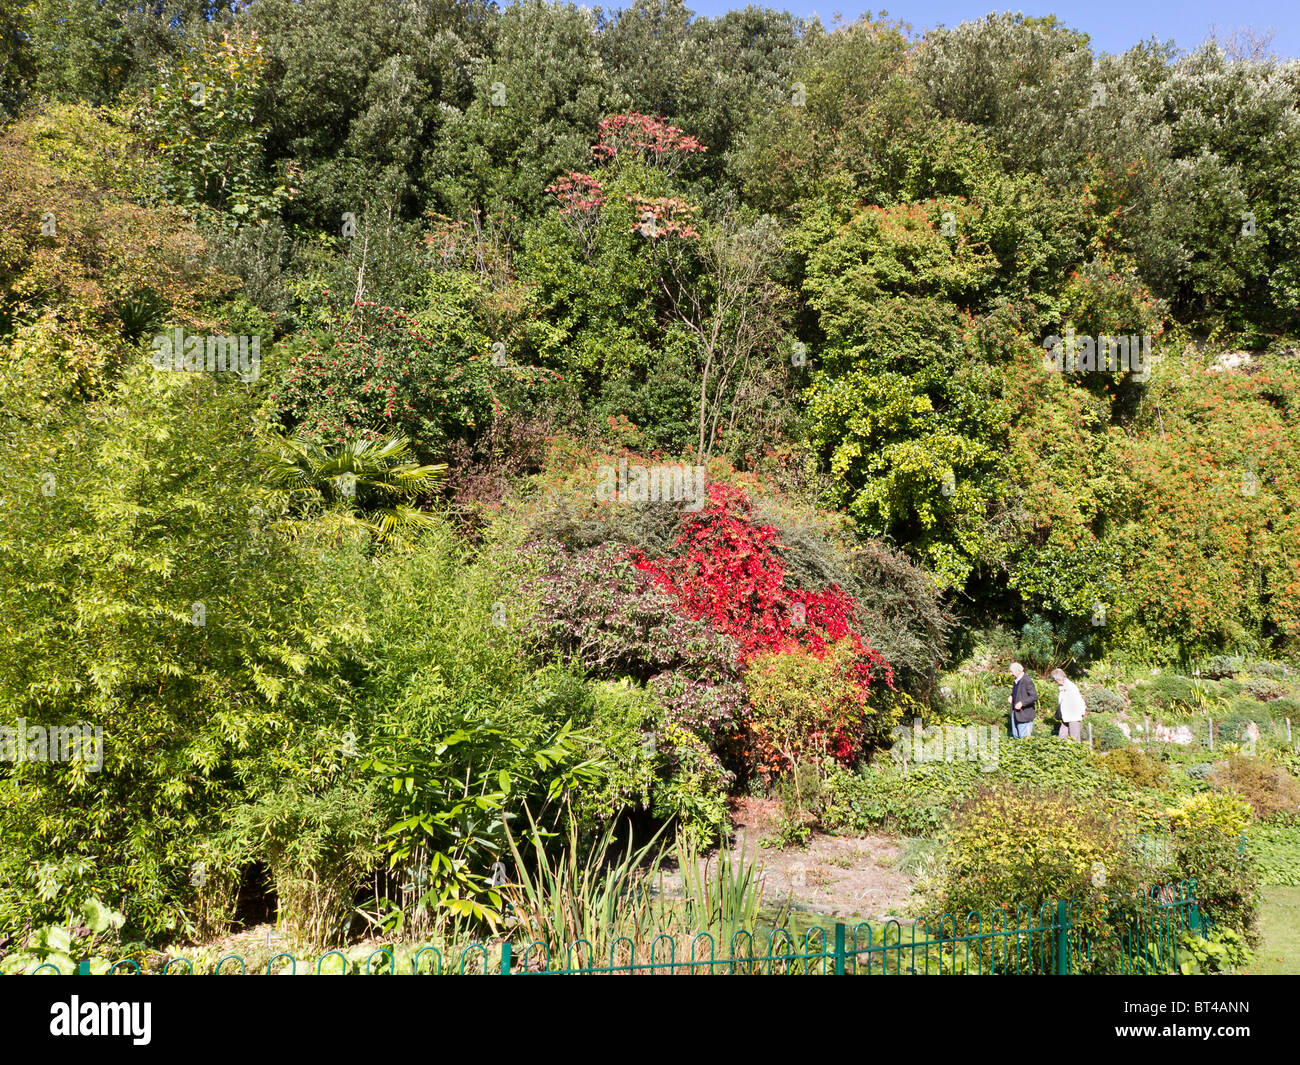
[1070, 706]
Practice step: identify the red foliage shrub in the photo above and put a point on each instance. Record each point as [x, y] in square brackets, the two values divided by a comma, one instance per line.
[650, 138]
[725, 568]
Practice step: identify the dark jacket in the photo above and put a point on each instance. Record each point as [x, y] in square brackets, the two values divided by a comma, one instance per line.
[1023, 691]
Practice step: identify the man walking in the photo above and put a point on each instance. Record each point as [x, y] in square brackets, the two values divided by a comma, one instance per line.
[1070, 704]
[1023, 698]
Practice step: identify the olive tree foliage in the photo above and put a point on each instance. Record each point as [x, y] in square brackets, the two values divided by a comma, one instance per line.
[1189, 160]
[535, 97]
[1230, 198]
[1022, 79]
[1192, 163]
[353, 95]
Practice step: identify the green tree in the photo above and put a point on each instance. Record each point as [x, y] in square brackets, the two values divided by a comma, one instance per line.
[536, 96]
[143, 596]
[201, 118]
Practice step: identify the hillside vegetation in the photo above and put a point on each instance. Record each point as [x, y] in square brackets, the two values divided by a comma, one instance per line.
[440, 437]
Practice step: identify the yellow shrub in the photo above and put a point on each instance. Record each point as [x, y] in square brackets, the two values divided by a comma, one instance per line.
[1225, 810]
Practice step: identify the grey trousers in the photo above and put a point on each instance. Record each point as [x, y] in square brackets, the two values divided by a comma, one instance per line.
[1073, 729]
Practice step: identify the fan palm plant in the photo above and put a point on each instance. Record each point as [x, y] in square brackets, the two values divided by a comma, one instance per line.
[373, 483]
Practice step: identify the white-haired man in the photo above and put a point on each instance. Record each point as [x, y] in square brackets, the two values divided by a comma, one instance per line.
[1023, 698]
[1069, 706]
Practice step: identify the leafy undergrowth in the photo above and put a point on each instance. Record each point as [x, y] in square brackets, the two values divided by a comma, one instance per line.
[1276, 850]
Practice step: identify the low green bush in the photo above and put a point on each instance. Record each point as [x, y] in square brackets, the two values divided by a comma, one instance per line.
[92, 933]
[1234, 727]
[1227, 881]
[650, 762]
[1222, 666]
[1223, 950]
[1166, 694]
[1223, 811]
[1265, 690]
[921, 802]
[874, 798]
[1284, 708]
[1103, 701]
[1272, 670]
[1110, 737]
[1134, 766]
[1019, 846]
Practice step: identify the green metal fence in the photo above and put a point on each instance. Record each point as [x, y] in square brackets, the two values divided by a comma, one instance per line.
[1061, 938]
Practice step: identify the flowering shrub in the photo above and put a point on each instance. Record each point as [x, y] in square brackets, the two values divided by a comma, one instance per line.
[377, 372]
[1107, 297]
[1011, 847]
[702, 608]
[597, 610]
[1210, 517]
[728, 568]
[807, 707]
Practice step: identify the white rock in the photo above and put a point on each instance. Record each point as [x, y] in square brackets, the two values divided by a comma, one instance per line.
[1230, 360]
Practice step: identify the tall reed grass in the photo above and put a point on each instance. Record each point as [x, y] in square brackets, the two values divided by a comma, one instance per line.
[610, 902]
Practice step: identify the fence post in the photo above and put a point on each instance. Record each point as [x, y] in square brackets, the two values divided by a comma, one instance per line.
[1062, 938]
[839, 948]
[83, 969]
[505, 959]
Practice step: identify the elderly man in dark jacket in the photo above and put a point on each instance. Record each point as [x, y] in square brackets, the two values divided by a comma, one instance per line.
[1023, 699]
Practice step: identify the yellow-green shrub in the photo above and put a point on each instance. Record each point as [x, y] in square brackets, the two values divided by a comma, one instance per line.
[1014, 847]
[1224, 810]
[1135, 766]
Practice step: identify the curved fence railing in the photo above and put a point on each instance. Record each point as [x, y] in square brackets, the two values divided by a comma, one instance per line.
[1058, 938]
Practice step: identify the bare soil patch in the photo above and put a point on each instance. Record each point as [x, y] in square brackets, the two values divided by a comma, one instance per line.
[834, 876]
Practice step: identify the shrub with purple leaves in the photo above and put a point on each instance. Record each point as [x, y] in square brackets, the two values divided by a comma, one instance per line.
[596, 610]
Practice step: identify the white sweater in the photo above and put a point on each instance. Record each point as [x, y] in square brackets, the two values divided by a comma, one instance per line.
[1070, 702]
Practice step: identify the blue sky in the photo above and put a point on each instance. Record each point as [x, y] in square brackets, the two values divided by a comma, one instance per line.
[1113, 25]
